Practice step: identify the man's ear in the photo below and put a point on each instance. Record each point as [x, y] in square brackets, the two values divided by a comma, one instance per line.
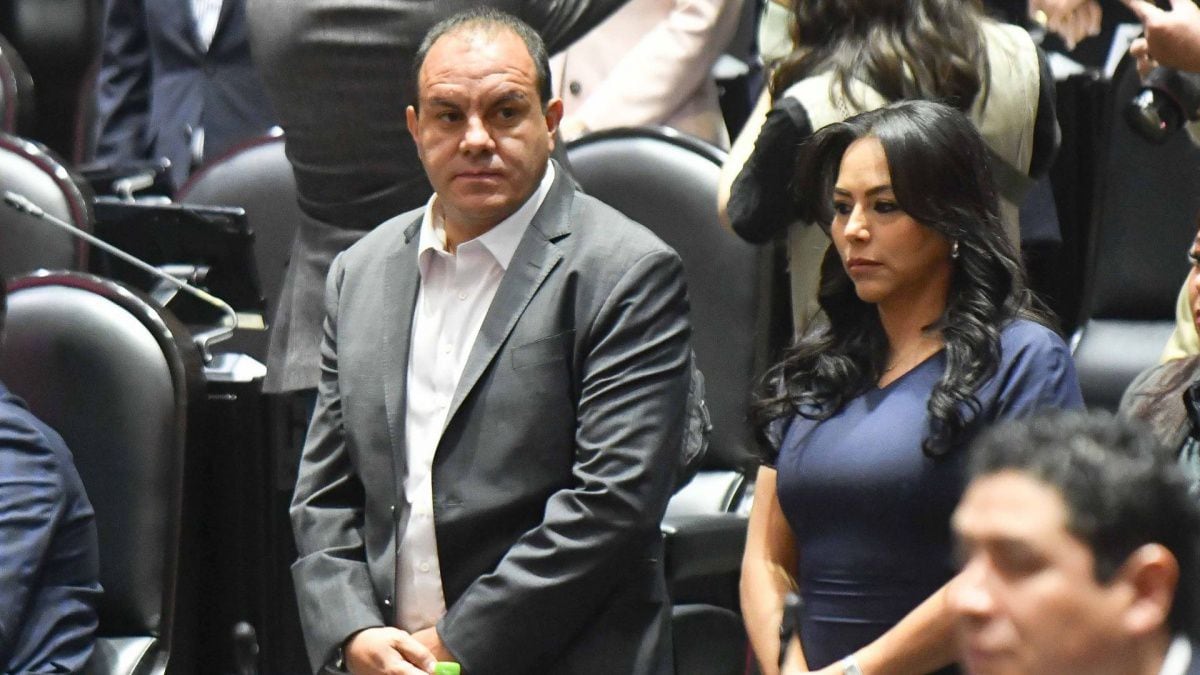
[554, 115]
[1152, 573]
[410, 117]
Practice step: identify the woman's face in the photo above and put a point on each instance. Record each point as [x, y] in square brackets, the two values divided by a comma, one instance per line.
[1193, 281]
[894, 261]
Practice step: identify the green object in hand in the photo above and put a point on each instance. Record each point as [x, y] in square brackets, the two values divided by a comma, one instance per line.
[446, 668]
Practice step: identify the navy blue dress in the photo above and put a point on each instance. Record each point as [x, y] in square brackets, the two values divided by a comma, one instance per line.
[871, 513]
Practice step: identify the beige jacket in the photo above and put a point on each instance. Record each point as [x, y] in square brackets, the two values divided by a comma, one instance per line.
[649, 63]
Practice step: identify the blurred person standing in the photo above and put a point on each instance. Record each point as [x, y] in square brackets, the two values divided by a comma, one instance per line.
[176, 80]
[649, 63]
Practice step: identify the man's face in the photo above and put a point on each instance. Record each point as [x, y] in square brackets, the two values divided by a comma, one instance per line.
[1027, 601]
[481, 133]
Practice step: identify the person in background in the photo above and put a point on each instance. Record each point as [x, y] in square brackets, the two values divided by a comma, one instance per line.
[650, 63]
[1078, 541]
[176, 80]
[856, 55]
[49, 559]
[932, 336]
[1165, 396]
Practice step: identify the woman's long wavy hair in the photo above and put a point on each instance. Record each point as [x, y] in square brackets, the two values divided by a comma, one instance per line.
[940, 177]
[904, 49]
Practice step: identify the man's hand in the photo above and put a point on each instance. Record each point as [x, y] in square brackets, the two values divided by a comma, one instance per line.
[1171, 37]
[1072, 20]
[387, 651]
[433, 642]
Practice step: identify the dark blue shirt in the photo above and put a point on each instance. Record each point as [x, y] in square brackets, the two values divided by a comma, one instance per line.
[49, 568]
[871, 512]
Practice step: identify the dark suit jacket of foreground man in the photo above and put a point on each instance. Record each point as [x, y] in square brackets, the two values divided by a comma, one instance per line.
[555, 464]
[337, 73]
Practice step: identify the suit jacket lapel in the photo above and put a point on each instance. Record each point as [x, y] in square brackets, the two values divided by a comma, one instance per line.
[532, 262]
[401, 284]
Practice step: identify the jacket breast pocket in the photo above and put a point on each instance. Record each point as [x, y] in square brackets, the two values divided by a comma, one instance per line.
[547, 350]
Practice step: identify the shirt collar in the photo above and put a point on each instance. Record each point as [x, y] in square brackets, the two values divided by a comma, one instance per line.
[1178, 658]
[501, 241]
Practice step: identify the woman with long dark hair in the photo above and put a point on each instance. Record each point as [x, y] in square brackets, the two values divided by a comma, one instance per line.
[857, 55]
[931, 335]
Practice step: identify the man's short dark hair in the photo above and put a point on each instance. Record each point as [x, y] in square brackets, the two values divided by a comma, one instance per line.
[1122, 490]
[487, 20]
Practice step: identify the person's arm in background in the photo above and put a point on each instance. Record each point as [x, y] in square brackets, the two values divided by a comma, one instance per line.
[1171, 37]
[768, 573]
[123, 85]
[760, 204]
[664, 69]
[1047, 136]
[743, 146]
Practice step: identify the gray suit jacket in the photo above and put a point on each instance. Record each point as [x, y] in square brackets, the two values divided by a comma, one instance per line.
[556, 461]
[337, 74]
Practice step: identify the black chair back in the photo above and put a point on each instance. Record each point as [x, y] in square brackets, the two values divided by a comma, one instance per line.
[16, 91]
[27, 243]
[1147, 217]
[121, 381]
[667, 181]
[257, 177]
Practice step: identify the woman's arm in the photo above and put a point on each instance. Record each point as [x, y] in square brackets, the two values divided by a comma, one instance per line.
[922, 642]
[768, 572]
[743, 145]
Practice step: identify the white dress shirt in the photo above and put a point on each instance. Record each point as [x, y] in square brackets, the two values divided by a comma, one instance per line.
[455, 294]
[1178, 658]
[206, 13]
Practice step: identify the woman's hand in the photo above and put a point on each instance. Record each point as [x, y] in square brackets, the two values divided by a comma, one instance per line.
[1072, 20]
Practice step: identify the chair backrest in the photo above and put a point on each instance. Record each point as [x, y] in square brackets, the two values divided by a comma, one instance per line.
[58, 39]
[1145, 220]
[121, 381]
[257, 177]
[27, 243]
[16, 91]
[668, 182]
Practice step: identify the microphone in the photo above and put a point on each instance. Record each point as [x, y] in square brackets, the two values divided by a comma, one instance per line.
[203, 339]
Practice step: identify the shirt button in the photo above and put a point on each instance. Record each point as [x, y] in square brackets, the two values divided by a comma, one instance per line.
[424, 567]
[462, 296]
[575, 87]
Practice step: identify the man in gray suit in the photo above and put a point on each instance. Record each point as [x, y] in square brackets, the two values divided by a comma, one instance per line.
[503, 383]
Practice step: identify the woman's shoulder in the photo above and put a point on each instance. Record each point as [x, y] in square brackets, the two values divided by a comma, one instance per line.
[1035, 369]
[1031, 337]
